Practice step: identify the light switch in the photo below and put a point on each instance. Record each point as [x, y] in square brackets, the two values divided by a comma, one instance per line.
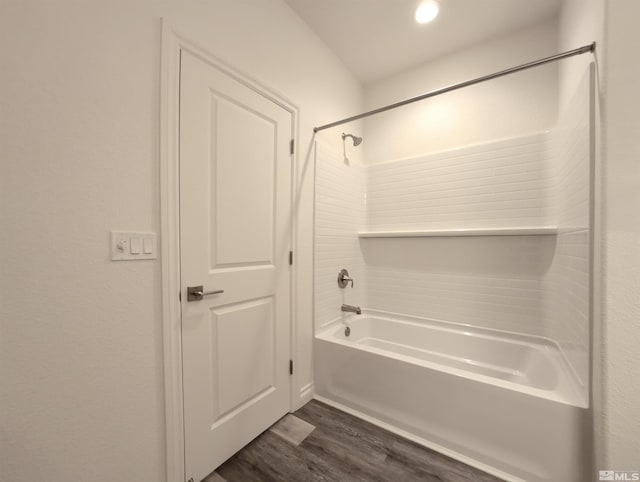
[127, 246]
[135, 245]
[147, 245]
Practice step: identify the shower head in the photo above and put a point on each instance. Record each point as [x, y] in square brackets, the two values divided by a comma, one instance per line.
[356, 140]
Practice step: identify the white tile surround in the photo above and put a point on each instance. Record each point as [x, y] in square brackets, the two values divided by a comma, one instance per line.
[502, 183]
[490, 281]
[493, 283]
[339, 214]
[528, 284]
[566, 284]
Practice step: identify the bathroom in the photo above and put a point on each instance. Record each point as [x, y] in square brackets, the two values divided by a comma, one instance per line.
[469, 243]
[497, 219]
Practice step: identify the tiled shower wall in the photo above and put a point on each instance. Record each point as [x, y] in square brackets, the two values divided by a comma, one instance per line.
[503, 183]
[339, 214]
[527, 284]
[489, 281]
[566, 286]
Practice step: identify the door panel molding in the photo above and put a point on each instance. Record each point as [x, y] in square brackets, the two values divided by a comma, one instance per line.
[173, 43]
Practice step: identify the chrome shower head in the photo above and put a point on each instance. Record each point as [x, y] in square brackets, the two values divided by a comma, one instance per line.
[356, 140]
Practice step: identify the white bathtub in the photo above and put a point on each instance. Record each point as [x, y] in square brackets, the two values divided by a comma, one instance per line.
[506, 403]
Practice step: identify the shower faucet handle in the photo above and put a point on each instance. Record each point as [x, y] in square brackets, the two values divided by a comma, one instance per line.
[344, 279]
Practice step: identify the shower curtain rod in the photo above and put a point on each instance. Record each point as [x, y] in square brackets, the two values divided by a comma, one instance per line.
[535, 63]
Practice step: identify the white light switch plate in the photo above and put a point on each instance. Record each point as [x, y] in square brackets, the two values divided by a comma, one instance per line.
[121, 246]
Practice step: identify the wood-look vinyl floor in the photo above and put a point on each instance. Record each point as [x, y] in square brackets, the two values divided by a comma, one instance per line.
[341, 448]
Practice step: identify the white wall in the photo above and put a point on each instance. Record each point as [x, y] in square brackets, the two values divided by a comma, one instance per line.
[580, 22]
[81, 337]
[616, 377]
[510, 106]
[621, 245]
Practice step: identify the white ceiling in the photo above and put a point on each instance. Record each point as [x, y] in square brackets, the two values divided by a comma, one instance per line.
[377, 38]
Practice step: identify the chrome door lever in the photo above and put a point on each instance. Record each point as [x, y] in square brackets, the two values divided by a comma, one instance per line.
[196, 293]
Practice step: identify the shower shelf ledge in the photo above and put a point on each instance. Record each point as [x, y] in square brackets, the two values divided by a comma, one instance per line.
[517, 231]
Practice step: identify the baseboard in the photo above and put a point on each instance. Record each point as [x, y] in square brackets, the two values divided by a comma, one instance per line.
[305, 395]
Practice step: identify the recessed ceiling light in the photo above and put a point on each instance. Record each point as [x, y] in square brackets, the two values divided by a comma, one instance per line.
[427, 11]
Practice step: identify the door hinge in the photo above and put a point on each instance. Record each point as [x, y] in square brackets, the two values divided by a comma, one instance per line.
[290, 367]
[292, 146]
[290, 257]
[180, 295]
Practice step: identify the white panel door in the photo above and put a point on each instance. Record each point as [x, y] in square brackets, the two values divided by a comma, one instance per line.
[235, 225]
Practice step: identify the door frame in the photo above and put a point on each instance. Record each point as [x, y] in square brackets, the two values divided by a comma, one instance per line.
[173, 43]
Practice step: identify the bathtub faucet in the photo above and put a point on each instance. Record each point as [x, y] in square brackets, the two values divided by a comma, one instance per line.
[351, 309]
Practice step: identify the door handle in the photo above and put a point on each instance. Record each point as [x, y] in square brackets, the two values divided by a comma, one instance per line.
[196, 293]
